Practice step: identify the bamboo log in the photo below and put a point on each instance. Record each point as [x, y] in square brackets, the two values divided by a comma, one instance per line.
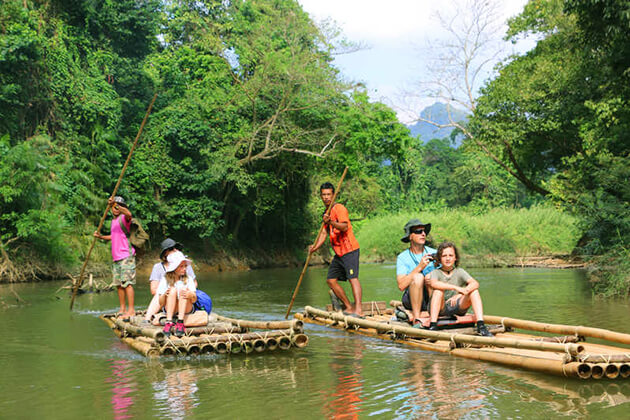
[168, 350]
[213, 339]
[284, 343]
[232, 329]
[597, 371]
[145, 349]
[294, 324]
[221, 347]
[300, 341]
[207, 349]
[151, 332]
[259, 345]
[271, 343]
[605, 358]
[248, 347]
[572, 349]
[194, 350]
[560, 329]
[556, 367]
[235, 347]
[611, 371]
[624, 370]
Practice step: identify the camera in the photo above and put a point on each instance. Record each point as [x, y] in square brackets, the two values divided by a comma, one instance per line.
[432, 257]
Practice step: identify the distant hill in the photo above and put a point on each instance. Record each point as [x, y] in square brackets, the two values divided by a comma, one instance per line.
[438, 113]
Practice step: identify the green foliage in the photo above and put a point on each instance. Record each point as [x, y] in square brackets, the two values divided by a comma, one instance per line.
[30, 213]
[536, 231]
[558, 115]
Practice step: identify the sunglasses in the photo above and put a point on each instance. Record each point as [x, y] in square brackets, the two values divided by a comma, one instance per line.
[418, 231]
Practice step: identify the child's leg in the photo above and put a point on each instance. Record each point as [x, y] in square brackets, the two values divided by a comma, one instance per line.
[184, 306]
[171, 301]
[154, 307]
[121, 299]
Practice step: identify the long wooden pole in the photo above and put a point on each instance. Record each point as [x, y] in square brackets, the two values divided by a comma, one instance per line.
[100, 224]
[308, 257]
[559, 329]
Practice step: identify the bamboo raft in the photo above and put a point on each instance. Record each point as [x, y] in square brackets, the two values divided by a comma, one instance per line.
[221, 335]
[564, 352]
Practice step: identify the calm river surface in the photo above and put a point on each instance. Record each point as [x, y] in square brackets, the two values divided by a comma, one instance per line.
[55, 364]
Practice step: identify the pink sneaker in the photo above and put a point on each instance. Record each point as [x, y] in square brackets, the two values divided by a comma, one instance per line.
[168, 327]
[180, 330]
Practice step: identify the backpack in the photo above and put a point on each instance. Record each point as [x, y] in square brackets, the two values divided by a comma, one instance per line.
[138, 237]
[203, 302]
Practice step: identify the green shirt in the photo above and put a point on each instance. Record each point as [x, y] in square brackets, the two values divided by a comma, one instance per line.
[457, 277]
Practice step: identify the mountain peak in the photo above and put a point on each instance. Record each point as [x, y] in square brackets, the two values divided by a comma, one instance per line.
[438, 113]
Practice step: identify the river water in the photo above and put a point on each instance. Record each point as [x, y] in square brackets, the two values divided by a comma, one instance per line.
[57, 364]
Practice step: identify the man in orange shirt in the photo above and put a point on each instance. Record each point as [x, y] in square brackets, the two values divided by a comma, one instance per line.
[345, 264]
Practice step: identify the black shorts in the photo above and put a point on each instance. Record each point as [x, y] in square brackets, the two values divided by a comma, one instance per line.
[345, 267]
[406, 300]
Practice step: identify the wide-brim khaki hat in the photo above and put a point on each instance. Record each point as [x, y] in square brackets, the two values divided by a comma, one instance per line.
[412, 223]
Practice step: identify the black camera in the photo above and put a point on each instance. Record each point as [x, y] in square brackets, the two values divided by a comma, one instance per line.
[432, 257]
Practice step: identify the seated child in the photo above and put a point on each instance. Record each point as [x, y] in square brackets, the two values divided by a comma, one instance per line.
[453, 290]
[176, 291]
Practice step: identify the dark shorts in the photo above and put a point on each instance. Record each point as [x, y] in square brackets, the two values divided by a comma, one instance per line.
[406, 300]
[452, 308]
[345, 267]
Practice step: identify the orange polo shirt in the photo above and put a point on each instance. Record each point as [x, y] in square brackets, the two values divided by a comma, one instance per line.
[342, 242]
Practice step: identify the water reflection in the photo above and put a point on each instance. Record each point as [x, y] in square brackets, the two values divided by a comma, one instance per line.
[123, 387]
[570, 397]
[346, 365]
[175, 392]
[437, 386]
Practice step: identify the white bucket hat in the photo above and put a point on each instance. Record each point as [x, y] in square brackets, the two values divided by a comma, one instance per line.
[174, 259]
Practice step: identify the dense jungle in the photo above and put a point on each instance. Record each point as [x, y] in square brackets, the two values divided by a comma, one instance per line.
[252, 116]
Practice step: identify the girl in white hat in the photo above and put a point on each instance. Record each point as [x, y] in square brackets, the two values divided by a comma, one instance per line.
[176, 291]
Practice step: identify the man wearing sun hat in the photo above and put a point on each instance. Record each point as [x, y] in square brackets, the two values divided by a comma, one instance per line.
[412, 265]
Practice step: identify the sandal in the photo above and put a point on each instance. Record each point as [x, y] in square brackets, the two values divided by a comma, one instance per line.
[401, 315]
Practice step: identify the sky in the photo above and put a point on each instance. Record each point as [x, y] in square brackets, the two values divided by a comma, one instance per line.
[397, 34]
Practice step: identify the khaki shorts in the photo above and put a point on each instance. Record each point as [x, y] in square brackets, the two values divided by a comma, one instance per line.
[124, 272]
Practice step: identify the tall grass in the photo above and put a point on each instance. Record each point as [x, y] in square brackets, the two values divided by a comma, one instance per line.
[537, 231]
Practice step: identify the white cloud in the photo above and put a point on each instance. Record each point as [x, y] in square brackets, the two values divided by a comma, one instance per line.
[394, 31]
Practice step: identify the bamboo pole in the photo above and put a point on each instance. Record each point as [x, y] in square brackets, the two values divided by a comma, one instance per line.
[145, 349]
[597, 371]
[271, 343]
[205, 339]
[570, 348]
[308, 257]
[560, 329]
[612, 371]
[605, 358]
[284, 343]
[77, 286]
[300, 341]
[624, 370]
[151, 332]
[259, 345]
[215, 330]
[556, 367]
[294, 324]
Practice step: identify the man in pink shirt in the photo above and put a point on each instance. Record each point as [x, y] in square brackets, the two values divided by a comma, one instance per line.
[123, 255]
